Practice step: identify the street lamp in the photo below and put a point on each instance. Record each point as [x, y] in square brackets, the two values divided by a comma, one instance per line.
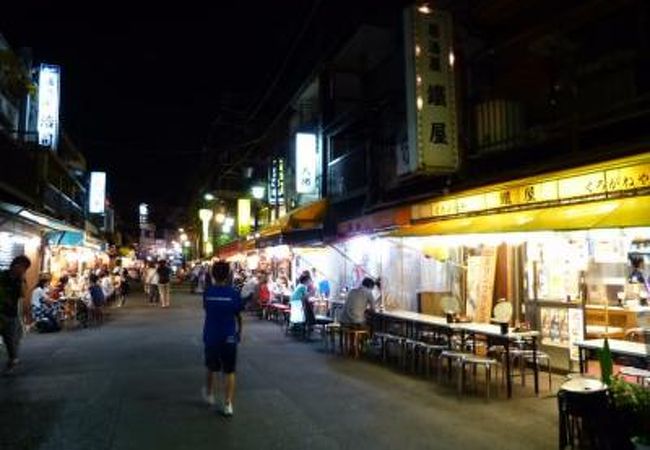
[205, 215]
[258, 192]
[208, 197]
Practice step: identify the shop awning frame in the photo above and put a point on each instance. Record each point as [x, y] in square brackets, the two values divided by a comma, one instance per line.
[613, 213]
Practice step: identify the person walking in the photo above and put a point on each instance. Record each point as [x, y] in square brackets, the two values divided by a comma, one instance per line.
[152, 282]
[164, 283]
[12, 290]
[221, 333]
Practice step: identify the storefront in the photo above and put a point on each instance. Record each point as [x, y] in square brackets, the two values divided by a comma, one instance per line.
[72, 253]
[557, 248]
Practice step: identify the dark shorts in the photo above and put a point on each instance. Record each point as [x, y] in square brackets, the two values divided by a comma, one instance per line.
[221, 357]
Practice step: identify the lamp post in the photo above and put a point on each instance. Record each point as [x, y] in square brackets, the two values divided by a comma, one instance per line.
[205, 215]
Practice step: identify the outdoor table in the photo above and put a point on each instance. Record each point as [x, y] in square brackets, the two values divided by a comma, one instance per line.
[412, 320]
[638, 351]
[493, 333]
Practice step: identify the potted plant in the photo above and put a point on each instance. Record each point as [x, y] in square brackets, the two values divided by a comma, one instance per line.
[631, 404]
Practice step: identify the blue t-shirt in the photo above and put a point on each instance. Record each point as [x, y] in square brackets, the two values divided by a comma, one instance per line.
[221, 304]
[298, 293]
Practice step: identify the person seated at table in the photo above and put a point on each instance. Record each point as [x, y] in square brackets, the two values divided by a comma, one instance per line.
[358, 301]
[264, 290]
[97, 299]
[44, 309]
[282, 290]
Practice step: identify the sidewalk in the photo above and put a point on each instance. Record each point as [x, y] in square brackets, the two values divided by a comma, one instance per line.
[134, 383]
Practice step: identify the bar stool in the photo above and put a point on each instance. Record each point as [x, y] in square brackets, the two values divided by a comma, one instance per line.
[454, 358]
[387, 338]
[479, 361]
[430, 353]
[524, 357]
[642, 376]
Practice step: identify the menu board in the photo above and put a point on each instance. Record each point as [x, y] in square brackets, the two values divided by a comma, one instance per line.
[555, 327]
[481, 271]
[576, 331]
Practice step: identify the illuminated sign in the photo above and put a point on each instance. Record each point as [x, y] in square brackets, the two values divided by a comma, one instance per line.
[431, 96]
[143, 209]
[243, 216]
[276, 182]
[97, 192]
[49, 82]
[306, 159]
[570, 188]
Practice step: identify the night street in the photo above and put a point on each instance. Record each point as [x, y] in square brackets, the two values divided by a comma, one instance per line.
[134, 383]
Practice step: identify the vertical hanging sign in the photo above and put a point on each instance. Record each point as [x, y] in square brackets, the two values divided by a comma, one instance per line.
[243, 216]
[49, 83]
[276, 182]
[306, 162]
[431, 96]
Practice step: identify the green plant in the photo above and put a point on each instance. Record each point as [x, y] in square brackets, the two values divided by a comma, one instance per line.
[632, 404]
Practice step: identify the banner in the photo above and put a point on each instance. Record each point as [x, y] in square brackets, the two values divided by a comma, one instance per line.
[431, 95]
[481, 271]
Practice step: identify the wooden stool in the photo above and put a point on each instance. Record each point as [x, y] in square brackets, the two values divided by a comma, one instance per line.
[329, 333]
[352, 338]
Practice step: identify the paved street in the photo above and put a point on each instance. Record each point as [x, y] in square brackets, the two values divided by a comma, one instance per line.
[135, 383]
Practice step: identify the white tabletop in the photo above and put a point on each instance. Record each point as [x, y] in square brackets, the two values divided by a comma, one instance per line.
[419, 317]
[617, 346]
[478, 328]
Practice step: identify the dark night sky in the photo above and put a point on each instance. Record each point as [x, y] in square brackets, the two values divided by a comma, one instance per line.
[140, 88]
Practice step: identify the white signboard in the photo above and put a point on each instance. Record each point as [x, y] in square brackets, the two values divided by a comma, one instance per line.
[276, 182]
[306, 161]
[143, 209]
[431, 96]
[576, 331]
[49, 84]
[97, 192]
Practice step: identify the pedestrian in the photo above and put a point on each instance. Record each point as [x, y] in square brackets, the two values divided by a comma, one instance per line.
[124, 286]
[164, 285]
[221, 334]
[97, 299]
[151, 279]
[12, 290]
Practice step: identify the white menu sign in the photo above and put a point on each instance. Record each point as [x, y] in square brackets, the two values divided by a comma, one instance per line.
[431, 96]
[49, 84]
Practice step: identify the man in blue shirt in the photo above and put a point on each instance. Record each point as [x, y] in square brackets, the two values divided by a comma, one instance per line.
[221, 333]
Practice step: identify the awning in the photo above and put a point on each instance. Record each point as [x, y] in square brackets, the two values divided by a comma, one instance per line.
[301, 225]
[379, 221]
[623, 212]
[72, 239]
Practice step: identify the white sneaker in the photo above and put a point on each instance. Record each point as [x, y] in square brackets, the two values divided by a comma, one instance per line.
[227, 410]
[209, 399]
